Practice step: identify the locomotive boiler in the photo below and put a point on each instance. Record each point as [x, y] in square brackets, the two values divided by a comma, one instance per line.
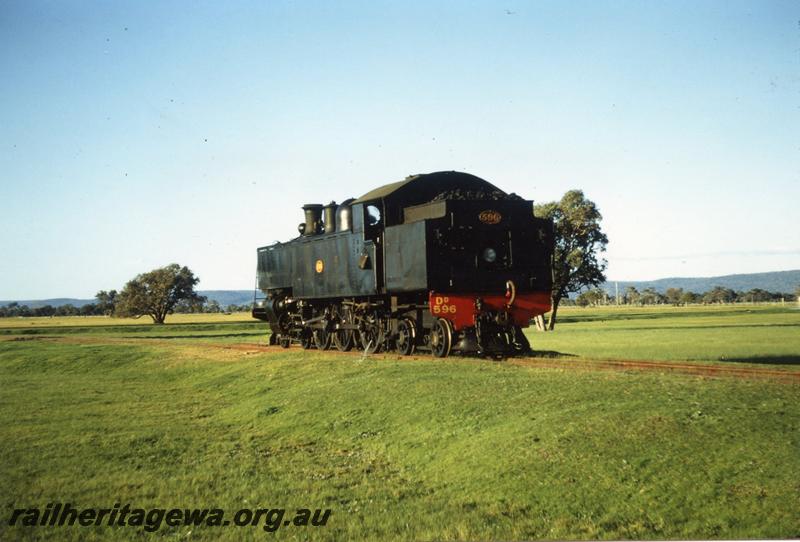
[443, 262]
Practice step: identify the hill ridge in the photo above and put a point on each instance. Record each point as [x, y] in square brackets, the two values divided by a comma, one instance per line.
[772, 281]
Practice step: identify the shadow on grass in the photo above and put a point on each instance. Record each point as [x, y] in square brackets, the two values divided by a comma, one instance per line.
[551, 354]
[786, 359]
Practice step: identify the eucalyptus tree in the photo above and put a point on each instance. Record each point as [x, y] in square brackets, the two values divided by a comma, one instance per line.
[579, 241]
[156, 293]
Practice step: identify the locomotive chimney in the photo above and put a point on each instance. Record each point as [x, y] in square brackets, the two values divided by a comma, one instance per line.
[313, 215]
[329, 217]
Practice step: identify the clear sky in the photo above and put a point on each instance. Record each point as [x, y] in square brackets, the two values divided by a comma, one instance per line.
[136, 134]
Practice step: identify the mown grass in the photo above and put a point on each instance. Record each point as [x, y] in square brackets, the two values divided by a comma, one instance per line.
[102, 321]
[239, 327]
[455, 450]
[731, 333]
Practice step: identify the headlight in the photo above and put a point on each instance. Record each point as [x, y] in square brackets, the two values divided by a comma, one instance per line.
[490, 255]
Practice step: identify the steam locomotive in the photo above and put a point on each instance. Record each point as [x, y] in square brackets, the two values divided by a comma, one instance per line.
[442, 262]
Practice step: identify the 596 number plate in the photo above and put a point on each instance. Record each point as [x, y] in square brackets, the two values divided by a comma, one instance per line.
[442, 305]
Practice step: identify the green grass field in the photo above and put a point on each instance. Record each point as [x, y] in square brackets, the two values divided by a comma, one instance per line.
[422, 449]
[749, 333]
[45, 322]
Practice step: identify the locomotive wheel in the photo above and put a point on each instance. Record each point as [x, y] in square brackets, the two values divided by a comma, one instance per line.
[306, 340]
[285, 342]
[500, 344]
[372, 338]
[322, 339]
[519, 342]
[344, 339]
[441, 338]
[406, 337]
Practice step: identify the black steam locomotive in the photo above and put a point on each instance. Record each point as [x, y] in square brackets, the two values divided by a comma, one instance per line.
[444, 262]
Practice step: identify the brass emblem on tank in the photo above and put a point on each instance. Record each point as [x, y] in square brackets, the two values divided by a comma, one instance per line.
[490, 217]
[319, 267]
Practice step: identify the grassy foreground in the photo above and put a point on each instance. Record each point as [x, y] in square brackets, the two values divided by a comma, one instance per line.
[96, 411]
[460, 449]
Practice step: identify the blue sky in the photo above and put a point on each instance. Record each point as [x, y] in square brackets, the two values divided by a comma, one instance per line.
[135, 134]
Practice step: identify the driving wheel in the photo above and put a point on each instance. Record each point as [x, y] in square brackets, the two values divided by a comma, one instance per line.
[372, 337]
[343, 339]
[322, 339]
[441, 339]
[405, 343]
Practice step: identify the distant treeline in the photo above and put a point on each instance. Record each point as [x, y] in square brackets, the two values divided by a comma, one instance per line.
[105, 304]
[678, 296]
[106, 301]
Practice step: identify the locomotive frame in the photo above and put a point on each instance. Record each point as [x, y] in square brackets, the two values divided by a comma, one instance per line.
[444, 262]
